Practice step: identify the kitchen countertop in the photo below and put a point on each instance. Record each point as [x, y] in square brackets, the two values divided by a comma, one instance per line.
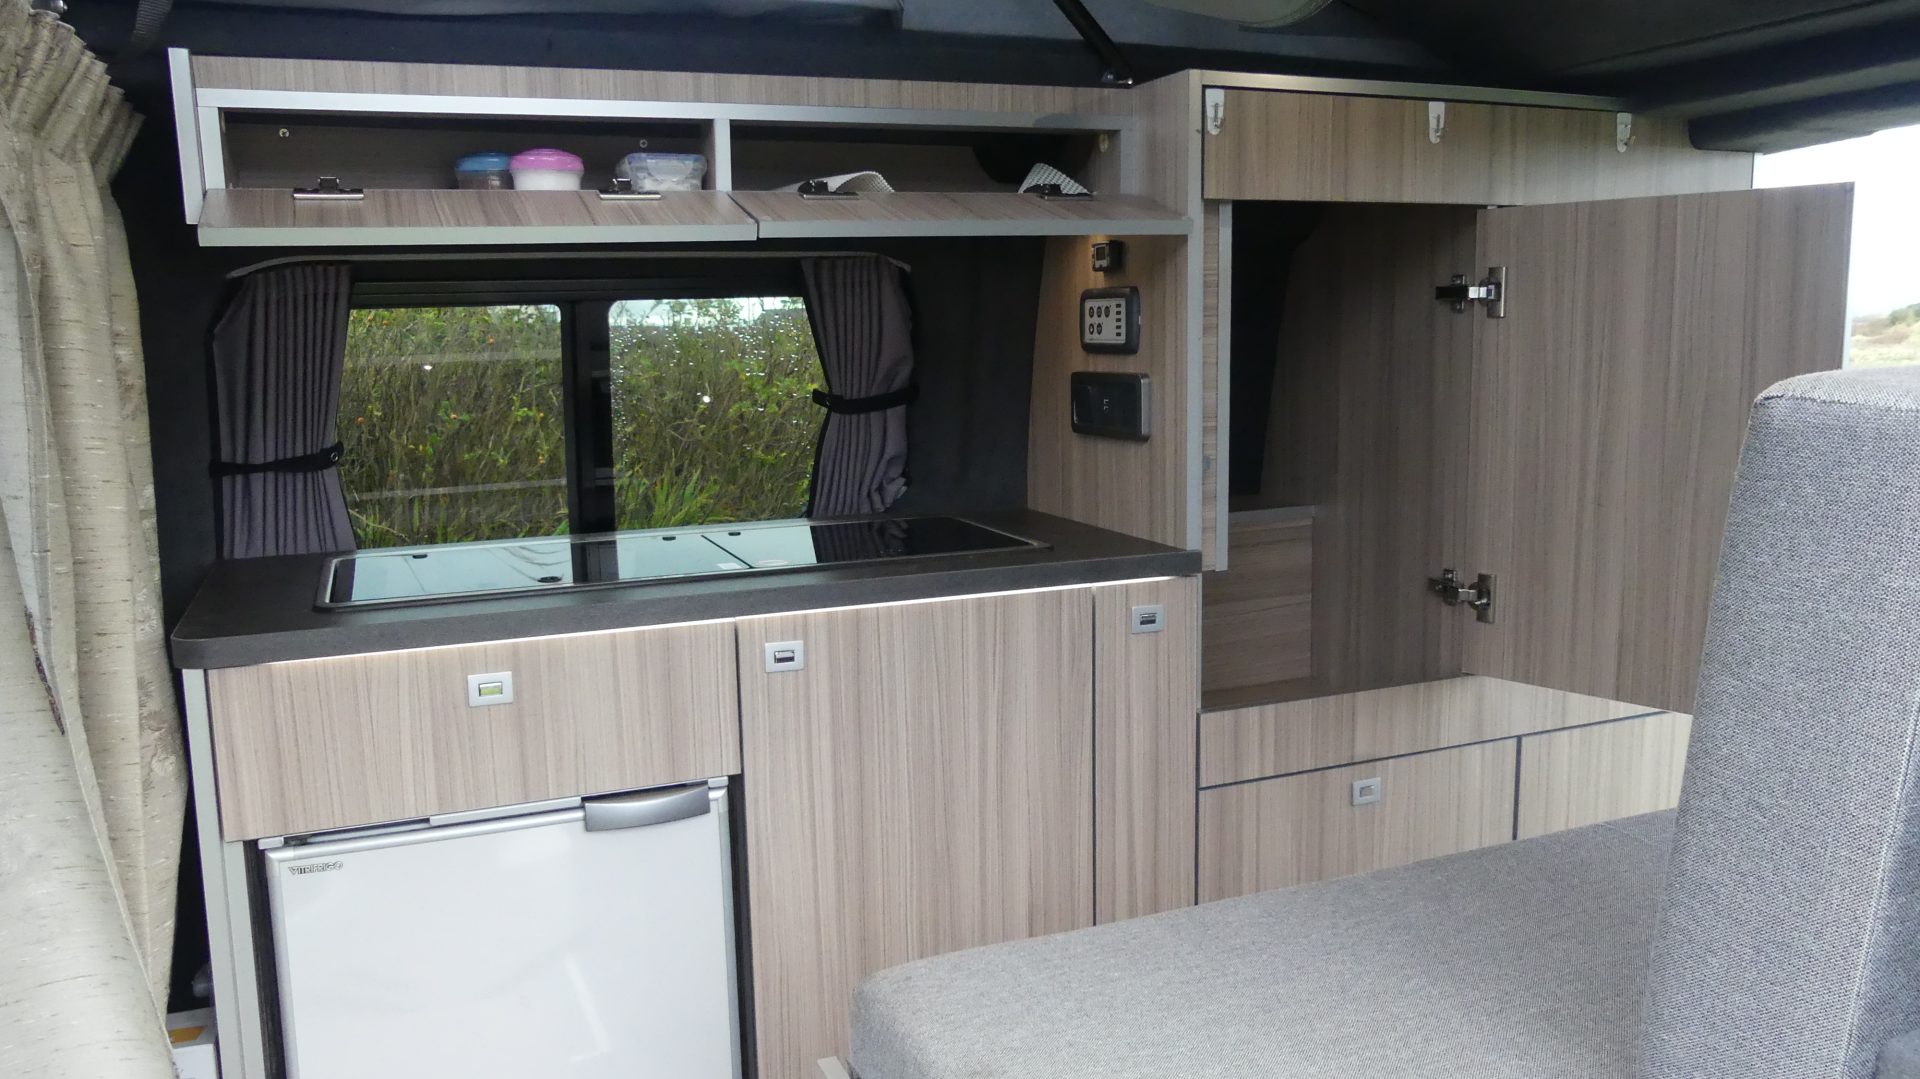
[260, 610]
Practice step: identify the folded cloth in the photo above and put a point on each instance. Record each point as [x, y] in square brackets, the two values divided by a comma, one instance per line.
[1041, 175]
[866, 182]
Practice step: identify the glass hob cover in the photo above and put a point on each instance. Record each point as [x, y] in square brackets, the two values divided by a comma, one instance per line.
[403, 575]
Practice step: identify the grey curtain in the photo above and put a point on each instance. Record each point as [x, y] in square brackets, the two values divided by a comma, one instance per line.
[863, 327]
[92, 776]
[277, 354]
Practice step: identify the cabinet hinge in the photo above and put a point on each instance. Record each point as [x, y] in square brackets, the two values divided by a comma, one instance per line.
[1214, 108]
[1491, 292]
[1455, 592]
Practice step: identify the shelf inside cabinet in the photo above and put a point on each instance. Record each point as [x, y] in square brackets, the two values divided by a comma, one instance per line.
[785, 215]
[271, 217]
[284, 150]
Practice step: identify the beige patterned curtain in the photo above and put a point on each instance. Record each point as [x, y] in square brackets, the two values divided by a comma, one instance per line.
[92, 783]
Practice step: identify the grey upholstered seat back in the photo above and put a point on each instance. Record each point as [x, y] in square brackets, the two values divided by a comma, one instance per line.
[1789, 940]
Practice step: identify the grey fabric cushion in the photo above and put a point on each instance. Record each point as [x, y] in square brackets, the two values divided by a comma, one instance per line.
[1900, 1058]
[1525, 960]
[1788, 944]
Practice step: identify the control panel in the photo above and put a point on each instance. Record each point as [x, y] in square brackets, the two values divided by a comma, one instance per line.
[1110, 319]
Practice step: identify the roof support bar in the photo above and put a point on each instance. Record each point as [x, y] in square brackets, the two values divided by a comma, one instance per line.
[1115, 69]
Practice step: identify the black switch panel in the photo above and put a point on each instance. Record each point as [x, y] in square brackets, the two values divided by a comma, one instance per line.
[1110, 404]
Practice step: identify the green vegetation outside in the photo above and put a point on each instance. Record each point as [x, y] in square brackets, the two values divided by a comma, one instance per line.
[452, 418]
[1885, 340]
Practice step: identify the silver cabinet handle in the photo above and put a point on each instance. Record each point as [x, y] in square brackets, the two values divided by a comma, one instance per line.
[645, 808]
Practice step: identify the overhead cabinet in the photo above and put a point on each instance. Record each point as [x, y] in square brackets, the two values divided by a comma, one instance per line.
[1277, 144]
[248, 141]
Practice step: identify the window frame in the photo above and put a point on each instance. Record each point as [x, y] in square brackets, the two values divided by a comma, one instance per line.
[586, 352]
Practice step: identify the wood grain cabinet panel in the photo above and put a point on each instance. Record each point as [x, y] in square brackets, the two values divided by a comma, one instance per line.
[1366, 426]
[1259, 611]
[317, 744]
[1572, 778]
[1276, 833]
[1335, 148]
[1338, 148]
[252, 217]
[925, 784]
[1139, 488]
[1609, 408]
[1146, 695]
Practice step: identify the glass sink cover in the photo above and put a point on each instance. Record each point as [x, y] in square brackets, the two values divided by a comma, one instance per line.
[398, 576]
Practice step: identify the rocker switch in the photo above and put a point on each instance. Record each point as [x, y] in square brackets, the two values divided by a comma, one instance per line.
[489, 689]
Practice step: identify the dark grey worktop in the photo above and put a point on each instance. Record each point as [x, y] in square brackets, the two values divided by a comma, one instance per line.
[260, 610]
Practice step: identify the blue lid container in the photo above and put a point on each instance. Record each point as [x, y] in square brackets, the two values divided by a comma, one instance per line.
[486, 170]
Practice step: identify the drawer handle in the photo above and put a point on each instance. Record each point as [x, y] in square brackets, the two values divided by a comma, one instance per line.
[645, 808]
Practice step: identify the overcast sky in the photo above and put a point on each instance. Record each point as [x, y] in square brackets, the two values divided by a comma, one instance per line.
[1885, 170]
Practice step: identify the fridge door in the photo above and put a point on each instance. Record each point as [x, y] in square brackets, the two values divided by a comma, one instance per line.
[576, 944]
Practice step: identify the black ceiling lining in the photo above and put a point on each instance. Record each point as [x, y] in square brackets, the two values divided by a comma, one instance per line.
[1754, 75]
[1808, 123]
[1886, 54]
[1785, 28]
[1564, 41]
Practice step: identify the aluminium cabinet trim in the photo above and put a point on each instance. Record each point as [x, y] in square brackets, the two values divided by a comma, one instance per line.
[226, 890]
[1303, 84]
[1425, 750]
[186, 132]
[573, 108]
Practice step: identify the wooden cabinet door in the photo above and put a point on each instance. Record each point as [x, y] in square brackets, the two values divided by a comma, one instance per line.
[1146, 702]
[1608, 411]
[924, 784]
[1336, 148]
[1275, 144]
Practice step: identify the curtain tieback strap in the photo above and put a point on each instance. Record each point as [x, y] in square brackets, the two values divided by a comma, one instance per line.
[306, 462]
[855, 406]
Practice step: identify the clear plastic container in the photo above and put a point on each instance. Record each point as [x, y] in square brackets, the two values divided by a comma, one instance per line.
[662, 172]
[483, 172]
[546, 170]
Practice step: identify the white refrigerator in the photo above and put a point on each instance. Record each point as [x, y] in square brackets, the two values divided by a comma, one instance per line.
[577, 940]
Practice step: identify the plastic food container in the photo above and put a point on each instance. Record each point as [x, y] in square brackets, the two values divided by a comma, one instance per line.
[662, 172]
[483, 172]
[546, 170]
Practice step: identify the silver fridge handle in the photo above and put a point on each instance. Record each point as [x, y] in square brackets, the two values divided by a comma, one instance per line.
[645, 808]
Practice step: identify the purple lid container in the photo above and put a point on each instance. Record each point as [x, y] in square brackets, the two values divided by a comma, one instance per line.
[551, 160]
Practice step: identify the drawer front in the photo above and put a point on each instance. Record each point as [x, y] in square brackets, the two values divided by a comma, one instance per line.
[1276, 833]
[331, 743]
[1573, 778]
